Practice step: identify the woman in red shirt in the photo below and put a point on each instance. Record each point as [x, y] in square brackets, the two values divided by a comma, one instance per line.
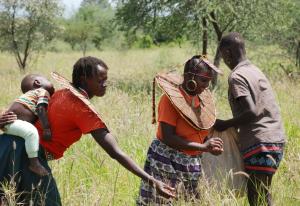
[69, 118]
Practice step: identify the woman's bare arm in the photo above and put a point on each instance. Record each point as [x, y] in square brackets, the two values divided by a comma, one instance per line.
[109, 144]
[173, 140]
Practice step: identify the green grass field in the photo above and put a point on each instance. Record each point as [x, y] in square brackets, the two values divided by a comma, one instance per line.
[88, 176]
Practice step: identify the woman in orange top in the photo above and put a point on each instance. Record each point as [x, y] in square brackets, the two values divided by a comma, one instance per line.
[174, 156]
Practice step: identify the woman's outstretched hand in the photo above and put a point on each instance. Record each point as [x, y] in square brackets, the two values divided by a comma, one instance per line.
[109, 144]
[164, 189]
[7, 118]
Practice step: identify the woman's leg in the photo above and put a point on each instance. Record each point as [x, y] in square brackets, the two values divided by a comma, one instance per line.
[27, 185]
[158, 165]
[188, 171]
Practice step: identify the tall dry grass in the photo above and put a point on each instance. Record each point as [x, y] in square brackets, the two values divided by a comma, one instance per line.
[86, 175]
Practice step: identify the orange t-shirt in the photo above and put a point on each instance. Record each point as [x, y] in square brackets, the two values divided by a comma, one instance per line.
[168, 114]
[69, 118]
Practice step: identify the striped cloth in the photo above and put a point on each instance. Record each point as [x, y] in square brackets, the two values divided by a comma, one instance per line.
[172, 167]
[32, 98]
[263, 158]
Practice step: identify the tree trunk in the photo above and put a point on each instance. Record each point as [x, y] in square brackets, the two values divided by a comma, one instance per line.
[204, 36]
[217, 58]
[12, 32]
[84, 48]
[298, 55]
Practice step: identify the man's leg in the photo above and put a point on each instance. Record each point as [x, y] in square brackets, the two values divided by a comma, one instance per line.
[259, 186]
[261, 162]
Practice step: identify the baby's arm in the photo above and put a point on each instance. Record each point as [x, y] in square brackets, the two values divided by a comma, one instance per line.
[43, 117]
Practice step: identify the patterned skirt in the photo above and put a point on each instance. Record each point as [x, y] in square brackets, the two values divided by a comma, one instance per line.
[263, 158]
[171, 167]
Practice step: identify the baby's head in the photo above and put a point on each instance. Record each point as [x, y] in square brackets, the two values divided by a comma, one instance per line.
[35, 81]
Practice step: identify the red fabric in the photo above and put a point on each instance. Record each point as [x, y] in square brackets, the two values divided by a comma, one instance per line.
[262, 149]
[168, 114]
[69, 118]
[260, 168]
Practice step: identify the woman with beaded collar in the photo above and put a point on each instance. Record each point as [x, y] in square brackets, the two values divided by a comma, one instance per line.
[185, 115]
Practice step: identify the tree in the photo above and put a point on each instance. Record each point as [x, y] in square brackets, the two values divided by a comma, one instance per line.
[90, 25]
[242, 16]
[285, 29]
[164, 21]
[26, 26]
[200, 21]
[99, 3]
[81, 28]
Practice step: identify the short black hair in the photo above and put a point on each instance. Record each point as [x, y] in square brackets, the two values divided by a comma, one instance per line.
[232, 40]
[87, 67]
[193, 64]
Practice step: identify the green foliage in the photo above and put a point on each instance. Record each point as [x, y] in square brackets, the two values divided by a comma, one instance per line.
[164, 21]
[203, 23]
[100, 3]
[26, 26]
[171, 20]
[92, 24]
[145, 41]
[81, 29]
[57, 45]
[286, 28]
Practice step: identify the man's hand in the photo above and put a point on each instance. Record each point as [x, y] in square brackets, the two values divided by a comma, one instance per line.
[221, 125]
[47, 134]
[7, 118]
